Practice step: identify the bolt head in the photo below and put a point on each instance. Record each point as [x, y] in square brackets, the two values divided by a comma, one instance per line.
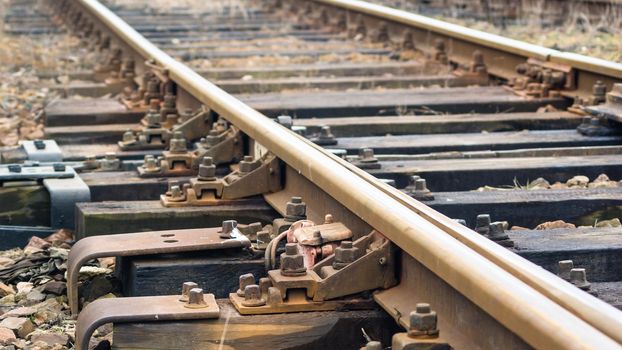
[15, 168]
[185, 290]
[227, 227]
[420, 185]
[39, 144]
[59, 167]
[196, 299]
[423, 320]
[296, 208]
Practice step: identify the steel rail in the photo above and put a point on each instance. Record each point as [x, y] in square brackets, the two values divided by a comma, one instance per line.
[591, 64]
[535, 318]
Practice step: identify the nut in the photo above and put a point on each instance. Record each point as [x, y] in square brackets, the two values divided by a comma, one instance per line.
[185, 290]
[366, 155]
[248, 164]
[564, 269]
[178, 143]
[285, 120]
[578, 278]
[296, 209]
[292, 262]
[150, 164]
[245, 280]
[39, 144]
[345, 254]
[482, 224]
[128, 136]
[213, 138]
[59, 167]
[423, 322]
[15, 168]
[207, 169]
[228, 226]
[196, 299]
[252, 296]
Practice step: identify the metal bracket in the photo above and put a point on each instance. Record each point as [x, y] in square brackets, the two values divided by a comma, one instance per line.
[42, 151]
[222, 146]
[139, 309]
[543, 79]
[143, 243]
[252, 178]
[66, 189]
[366, 264]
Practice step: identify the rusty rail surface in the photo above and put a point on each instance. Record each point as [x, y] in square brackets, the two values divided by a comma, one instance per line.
[526, 300]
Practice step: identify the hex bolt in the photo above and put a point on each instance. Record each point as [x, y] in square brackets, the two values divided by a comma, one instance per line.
[185, 290]
[325, 133]
[328, 219]
[366, 155]
[110, 156]
[172, 183]
[599, 92]
[423, 321]
[15, 168]
[227, 228]
[412, 180]
[421, 185]
[39, 144]
[295, 209]
[150, 164]
[248, 164]
[176, 192]
[58, 167]
[579, 279]
[274, 297]
[345, 254]
[285, 120]
[207, 169]
[178, 143]
[196, 299]
[565, 266]
[212, 138]
[252, 296]
[128, 136]
[482, 224]
[496, 232]
[245, 280]
[292, 262]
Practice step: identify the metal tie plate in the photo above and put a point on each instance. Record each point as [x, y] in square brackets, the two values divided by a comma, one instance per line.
[138, 309]
[143, 243]
[42, 150]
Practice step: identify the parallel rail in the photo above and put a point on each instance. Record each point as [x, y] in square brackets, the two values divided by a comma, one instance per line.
[502, 54]
[526, 300]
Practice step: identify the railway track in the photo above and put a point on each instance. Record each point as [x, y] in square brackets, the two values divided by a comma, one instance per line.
[326, 121]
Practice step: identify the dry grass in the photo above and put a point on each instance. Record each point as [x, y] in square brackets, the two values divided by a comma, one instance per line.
[22, 97]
